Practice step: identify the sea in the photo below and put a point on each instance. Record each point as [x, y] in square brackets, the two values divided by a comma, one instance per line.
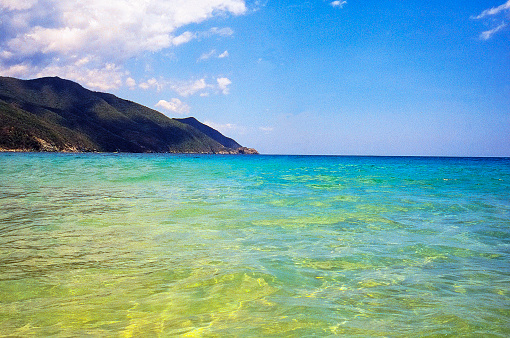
[165, 245]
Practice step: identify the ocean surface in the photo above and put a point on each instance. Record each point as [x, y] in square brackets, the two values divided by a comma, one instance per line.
[156, 245]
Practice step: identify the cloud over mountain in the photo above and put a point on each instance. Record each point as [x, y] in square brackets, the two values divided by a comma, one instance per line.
[76, 39]
[174, 105]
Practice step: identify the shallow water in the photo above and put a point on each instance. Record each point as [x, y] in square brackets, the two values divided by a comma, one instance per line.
[181, 245]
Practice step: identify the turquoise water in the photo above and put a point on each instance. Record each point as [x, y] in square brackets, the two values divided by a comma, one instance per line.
[252, 246]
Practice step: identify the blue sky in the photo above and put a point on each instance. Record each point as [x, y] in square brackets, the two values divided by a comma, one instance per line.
[287, 77]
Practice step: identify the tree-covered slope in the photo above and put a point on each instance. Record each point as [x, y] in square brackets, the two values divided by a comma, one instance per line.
[53, 114]
[211, 132]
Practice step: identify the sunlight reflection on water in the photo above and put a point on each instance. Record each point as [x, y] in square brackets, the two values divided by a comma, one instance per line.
[137, 245]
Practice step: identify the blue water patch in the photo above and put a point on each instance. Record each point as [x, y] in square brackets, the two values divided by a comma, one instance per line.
[203, 245]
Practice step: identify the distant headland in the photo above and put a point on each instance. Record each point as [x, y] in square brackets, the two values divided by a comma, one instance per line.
[58, 115]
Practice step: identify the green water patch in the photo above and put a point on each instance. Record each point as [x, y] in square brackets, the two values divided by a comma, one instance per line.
[359, 261]
[168, 245]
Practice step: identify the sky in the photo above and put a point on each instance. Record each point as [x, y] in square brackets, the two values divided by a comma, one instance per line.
[355, 77]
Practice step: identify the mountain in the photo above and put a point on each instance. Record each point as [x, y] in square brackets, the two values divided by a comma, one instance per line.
[212, 133]
[217, 136]
[54, 114]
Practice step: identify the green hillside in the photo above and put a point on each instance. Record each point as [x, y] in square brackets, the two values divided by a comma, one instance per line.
[53, 114]
[212, 133]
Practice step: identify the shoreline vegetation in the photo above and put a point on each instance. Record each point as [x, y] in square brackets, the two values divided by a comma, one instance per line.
[239, 151]
[56, 115]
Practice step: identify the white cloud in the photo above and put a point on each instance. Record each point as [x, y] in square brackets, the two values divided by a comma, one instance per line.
[227, 128]
[227, 31]
[144, 85]
[130, 82]
[212, 54]
[17, 4]
[223, 55]
[223, 84]
[494, 13]
[339, 4]
[106, 78]
[5, 54]
[83, 61]
[174, 105]
[151, 83]
[138, 25]
[183, 38]
[208, 55]
[41, 35]
[17, 70]
[488, 34]
[188, 88]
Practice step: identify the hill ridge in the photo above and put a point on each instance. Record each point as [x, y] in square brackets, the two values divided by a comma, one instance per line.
[55, 114]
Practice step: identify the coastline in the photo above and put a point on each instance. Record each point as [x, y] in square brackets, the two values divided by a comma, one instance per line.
[239, 151]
